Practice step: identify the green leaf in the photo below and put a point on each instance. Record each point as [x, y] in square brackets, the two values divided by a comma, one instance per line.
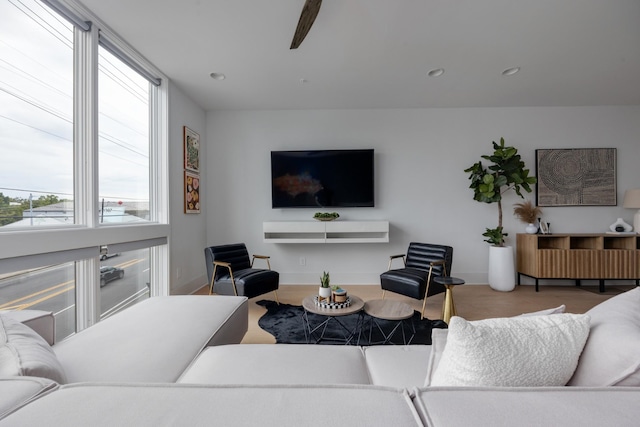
[488, 179]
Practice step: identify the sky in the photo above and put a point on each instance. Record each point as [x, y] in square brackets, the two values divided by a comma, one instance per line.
[36, 111]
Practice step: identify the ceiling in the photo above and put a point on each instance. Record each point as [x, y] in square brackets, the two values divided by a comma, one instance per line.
[377, 53]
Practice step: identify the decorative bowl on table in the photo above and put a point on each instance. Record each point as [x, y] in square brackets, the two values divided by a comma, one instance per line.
[331, 305]
[326, 216]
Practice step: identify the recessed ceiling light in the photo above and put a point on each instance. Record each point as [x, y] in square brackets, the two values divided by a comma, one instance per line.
[510, 71]
[303, 81]
[218, 76]
[436, 72]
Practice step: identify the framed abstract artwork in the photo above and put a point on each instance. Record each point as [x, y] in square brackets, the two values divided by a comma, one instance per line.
[191, 150]
[576, 177]
[191, 192]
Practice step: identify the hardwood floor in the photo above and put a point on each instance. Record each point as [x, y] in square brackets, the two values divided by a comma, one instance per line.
[473, 302]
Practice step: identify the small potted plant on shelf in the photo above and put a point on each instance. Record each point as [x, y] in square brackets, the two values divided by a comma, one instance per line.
[325, 288]
[529, 214]
[505, 172]
[326, 216]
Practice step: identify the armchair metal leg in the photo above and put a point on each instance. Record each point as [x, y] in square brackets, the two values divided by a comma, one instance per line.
[213, 275]
[424, 304]
[275, 293]
[383, 293]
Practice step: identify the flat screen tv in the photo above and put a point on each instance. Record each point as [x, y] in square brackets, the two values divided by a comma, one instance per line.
[322, 178]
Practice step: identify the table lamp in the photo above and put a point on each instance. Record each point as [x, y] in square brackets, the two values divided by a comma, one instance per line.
[632, 201]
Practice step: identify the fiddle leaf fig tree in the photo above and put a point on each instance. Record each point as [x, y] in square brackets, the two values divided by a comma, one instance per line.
[506, 171]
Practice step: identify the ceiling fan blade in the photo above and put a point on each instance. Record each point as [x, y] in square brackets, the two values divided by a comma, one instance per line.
[307, 17]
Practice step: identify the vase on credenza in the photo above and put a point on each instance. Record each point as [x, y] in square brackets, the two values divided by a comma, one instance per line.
[531, 228]
[620, 226]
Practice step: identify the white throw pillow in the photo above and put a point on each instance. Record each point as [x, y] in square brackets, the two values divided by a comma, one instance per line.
[25, 353]
[611, 356]
[439, 341]
[512, 352]
[557, 310]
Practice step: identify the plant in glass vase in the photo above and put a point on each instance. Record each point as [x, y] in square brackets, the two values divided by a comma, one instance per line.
[528, 213]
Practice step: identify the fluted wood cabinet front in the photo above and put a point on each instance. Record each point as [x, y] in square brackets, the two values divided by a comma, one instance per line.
[578, 256]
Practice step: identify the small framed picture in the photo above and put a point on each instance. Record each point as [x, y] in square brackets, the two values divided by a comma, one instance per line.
[191, 192]
[191, 150]
[544, 227]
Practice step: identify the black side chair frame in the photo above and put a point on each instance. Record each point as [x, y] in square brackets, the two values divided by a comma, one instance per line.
[227, 265]
[431, 268]
[235, 260]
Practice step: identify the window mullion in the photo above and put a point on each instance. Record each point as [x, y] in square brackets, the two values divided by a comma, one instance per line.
[159, 182]
[86, 167]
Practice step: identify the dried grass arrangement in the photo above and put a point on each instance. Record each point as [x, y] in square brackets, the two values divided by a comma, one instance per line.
[527, 212]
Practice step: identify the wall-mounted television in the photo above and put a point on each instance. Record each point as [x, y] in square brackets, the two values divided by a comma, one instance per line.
[322, 178]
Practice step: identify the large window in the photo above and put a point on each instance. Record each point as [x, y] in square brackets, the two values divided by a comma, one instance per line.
[124, 141]
[124, 280]
[83, 182]
[50, 288]
[36, 116]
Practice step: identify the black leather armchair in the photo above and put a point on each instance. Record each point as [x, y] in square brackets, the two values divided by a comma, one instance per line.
[422, 262]
[231, 273]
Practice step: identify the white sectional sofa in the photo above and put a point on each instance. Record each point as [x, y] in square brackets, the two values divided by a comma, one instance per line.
[241, 384]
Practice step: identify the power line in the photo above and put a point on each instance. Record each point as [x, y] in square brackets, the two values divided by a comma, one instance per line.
[44, 108]
[36, 191]
[21, 73]
[68, 43]
[135, 89]
[53, 14]
[102, 53]
[68, 194]
[35, 128]
[50, 71]
[109, 74]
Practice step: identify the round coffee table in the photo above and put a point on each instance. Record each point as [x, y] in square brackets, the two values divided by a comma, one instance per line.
[394, 311]
[331, 314]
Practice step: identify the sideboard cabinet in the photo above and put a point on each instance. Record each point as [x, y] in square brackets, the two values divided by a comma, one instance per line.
[579, 256]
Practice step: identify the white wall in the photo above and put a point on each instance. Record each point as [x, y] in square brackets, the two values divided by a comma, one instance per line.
[421, 187]
[187, 231]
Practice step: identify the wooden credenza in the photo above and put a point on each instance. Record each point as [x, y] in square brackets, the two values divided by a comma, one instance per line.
[579, 256]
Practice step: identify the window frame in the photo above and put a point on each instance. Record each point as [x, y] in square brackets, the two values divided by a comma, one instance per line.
[81, 242]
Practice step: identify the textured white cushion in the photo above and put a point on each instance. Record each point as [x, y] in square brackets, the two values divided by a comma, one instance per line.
[612, 353]
[439, 340]
[512, 352]
[556, 310]
[25, 353]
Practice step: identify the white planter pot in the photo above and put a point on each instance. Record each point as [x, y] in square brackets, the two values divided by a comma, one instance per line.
[501, 268]
[324, 292]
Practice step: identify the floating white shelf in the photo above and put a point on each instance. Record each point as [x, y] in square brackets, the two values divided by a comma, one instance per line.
[326, 231]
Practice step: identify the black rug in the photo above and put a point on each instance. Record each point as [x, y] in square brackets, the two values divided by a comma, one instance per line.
[285, 323]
